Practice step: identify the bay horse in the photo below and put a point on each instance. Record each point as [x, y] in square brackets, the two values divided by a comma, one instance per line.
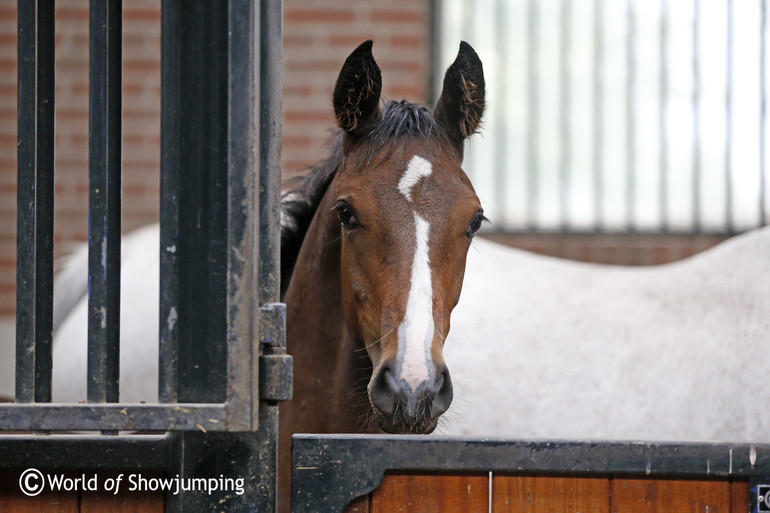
[374, 242]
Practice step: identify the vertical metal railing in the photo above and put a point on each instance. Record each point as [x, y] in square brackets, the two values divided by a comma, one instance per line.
[215, 277]
[34, 257]
[222, 355]
[653, 165]
[104, 162]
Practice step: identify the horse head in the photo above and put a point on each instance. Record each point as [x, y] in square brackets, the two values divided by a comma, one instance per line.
[406, 215]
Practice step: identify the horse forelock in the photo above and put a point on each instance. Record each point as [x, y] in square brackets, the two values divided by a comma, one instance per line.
[400, 121]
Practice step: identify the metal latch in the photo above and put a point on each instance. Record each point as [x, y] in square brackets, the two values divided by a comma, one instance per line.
[275, 366]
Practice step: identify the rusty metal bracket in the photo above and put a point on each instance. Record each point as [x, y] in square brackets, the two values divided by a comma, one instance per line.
[272, 325]
[276, 368]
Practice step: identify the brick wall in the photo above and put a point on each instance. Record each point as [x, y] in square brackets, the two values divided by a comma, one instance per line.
[7, 156]
[141, 125]
[319, 34]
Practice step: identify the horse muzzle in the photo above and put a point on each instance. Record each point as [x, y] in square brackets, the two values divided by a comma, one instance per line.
[401, 409]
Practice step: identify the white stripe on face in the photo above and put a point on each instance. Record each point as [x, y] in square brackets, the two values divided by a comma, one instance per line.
[417, 168]
[415, 335]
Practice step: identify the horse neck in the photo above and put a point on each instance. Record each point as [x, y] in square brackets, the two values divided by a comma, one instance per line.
[330, 373]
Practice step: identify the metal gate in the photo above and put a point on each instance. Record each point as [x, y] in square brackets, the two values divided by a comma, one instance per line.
[223, 365]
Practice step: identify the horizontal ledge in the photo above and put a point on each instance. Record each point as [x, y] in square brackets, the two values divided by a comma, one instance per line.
[437, 453]
[19, 452]
[117, 417]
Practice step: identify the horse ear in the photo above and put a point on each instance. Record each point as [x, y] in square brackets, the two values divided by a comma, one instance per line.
[461, 104]
[357, 93]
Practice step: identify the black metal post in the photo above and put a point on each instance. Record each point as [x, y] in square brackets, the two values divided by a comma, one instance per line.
[212, 96]
[270, 29]
[104, 153]
[193, 201]
[34, 256]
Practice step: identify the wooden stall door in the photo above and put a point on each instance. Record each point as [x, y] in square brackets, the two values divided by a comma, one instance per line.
[413, 493]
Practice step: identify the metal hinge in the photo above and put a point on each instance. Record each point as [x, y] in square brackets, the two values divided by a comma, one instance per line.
[275, 366]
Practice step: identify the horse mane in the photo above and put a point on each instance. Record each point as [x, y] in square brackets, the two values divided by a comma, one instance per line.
[303, 195]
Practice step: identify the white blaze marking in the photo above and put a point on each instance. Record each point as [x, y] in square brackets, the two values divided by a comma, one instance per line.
[415, 335]
[417, 168]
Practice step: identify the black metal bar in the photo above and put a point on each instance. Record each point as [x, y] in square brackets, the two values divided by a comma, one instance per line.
[109, 417]
[331, 470]
[243, 228]
[170, 185]
[201, 46]
[34, 250]
[105, 52]
[51, 452]
[270, 107]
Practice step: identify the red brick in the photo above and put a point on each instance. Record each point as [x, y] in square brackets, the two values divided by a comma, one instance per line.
[417, 41]
[141, 14]
[132, 65]
[71, 13]
[297, 40]
[8, 65]
[397, 15]
[308, 115]
[349, 41]
[7, 13]
[300, 140]
[315, 16]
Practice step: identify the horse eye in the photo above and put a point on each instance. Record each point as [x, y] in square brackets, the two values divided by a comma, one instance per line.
[346, 215]
[475, 224]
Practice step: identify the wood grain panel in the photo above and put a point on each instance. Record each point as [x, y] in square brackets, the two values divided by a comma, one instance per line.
[124, 502]
[13, 500]
[538, 494]
[739, 496]
[670, 496]
[410, 493]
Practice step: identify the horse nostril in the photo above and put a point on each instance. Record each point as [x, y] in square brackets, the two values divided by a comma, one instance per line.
[443, 398]
[382, 391]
